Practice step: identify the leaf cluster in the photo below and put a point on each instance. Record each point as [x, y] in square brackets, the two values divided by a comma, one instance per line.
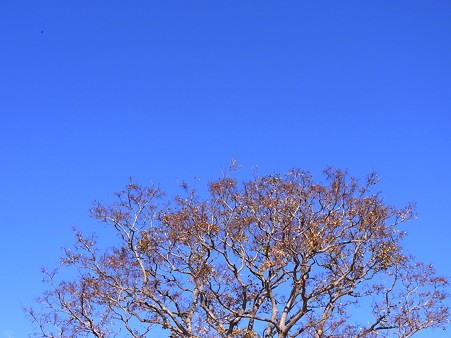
[277, 256]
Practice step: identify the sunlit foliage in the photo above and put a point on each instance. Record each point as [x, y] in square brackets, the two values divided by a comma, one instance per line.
[277, 256]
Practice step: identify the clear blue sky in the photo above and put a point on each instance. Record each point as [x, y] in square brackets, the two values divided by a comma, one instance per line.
[92, 92]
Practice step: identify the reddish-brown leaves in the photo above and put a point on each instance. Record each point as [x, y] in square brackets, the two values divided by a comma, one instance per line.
[279, 253]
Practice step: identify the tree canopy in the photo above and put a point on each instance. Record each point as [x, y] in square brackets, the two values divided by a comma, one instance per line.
[275, 256]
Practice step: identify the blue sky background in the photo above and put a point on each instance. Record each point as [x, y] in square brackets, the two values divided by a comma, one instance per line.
[92, 92]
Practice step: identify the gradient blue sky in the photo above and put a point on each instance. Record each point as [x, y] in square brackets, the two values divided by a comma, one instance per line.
[92, 92]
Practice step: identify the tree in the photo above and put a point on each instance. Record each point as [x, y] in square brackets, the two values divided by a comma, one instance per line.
[277, 256]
